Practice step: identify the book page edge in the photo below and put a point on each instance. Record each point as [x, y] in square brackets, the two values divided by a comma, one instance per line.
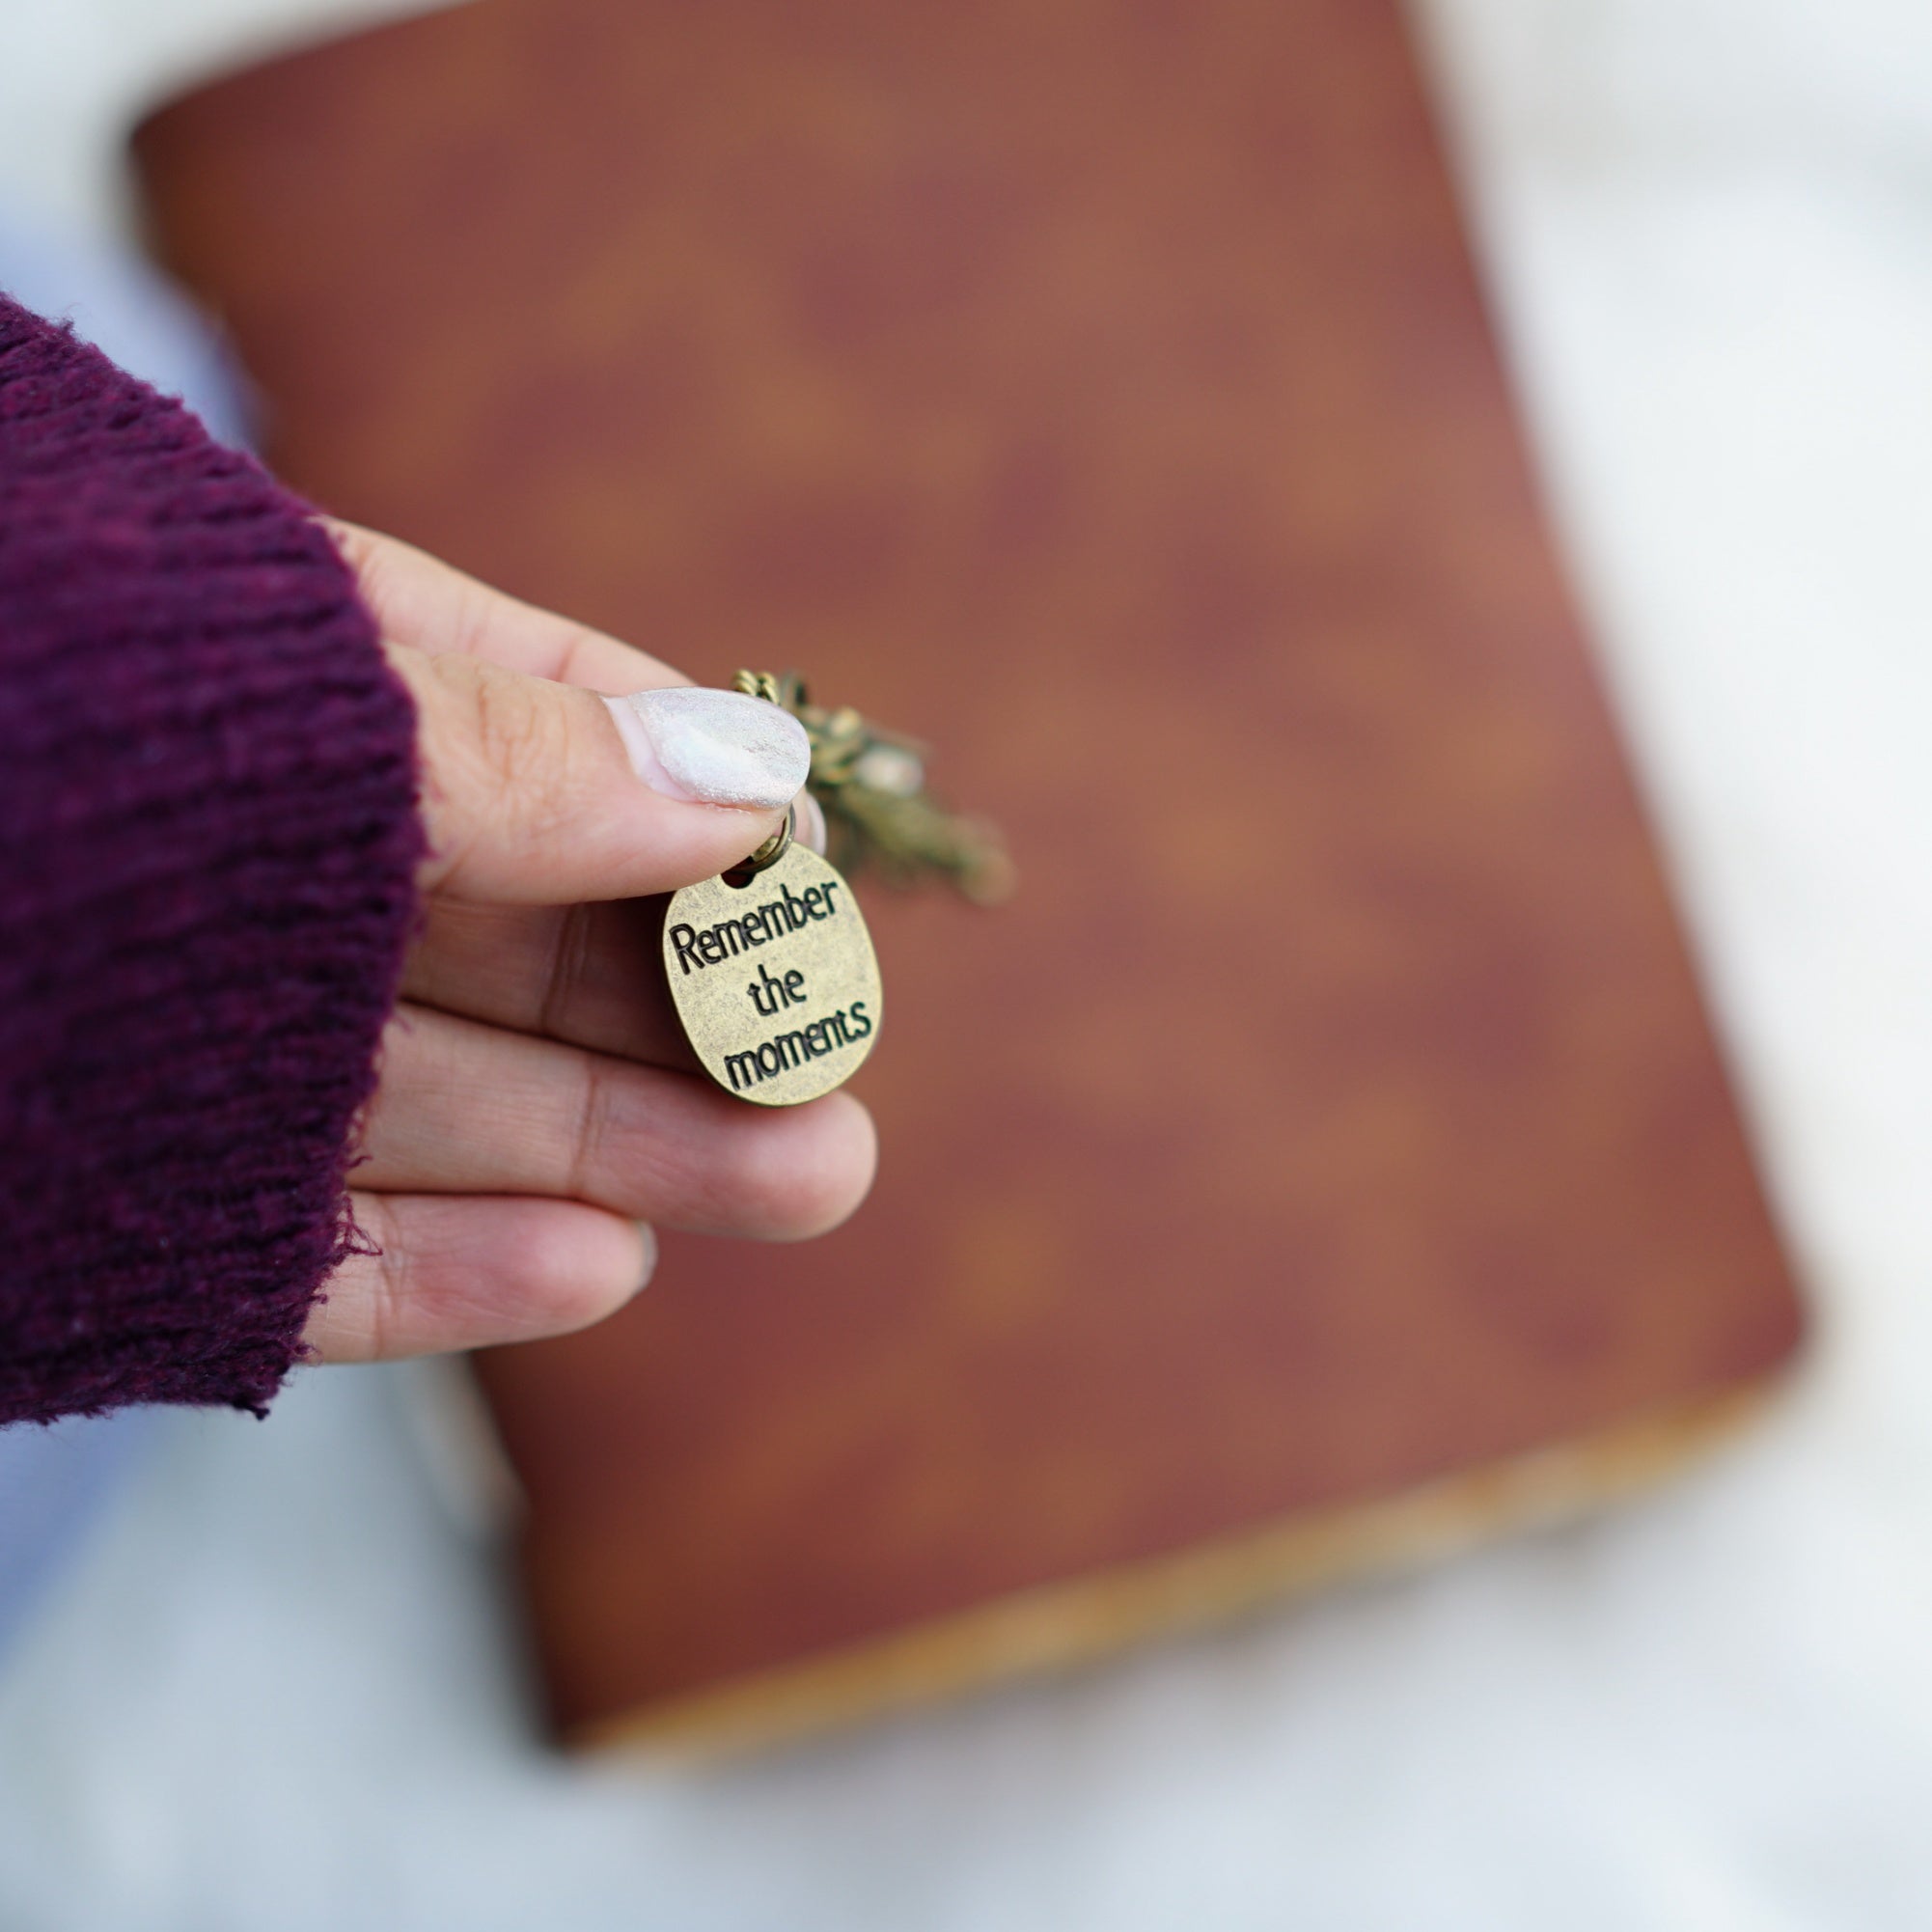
[1064, 1626]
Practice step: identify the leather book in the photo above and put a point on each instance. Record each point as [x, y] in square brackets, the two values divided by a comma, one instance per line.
[1325, 1159]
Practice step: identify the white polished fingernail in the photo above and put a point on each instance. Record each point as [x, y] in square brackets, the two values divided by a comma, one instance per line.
[716, 747]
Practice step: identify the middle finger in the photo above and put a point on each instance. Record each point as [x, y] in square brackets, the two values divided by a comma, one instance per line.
[591, 975]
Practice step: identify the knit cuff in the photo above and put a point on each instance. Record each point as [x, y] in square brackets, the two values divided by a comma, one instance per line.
[207, 786]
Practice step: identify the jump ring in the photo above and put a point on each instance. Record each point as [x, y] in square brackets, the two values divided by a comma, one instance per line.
[775, 847]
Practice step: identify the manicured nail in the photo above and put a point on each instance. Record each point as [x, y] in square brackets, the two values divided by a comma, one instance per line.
[718, 747]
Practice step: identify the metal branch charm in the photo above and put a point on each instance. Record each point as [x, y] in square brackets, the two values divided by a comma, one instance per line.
[870, 785]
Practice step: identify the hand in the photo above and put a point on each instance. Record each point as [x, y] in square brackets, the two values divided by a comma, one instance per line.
[538, 1104]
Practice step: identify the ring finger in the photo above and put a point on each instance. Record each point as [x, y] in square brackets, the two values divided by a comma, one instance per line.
[466, 1108]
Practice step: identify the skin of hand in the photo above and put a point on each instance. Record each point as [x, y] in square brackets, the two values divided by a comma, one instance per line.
[537, 1106]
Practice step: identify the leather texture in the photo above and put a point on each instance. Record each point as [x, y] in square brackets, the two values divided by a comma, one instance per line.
[1103, 392]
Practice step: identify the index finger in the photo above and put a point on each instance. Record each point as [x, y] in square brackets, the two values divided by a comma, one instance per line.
[419, 601]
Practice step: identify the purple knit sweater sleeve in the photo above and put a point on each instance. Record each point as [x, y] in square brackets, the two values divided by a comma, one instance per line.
[207, 838]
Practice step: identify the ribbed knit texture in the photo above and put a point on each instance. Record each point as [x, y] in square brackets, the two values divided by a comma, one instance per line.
[207, 838]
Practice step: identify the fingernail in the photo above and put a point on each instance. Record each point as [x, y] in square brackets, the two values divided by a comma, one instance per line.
[648, 1234]
[717, 747]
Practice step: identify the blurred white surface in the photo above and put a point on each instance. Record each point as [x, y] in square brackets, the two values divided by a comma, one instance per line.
[75, 75]
[277, 1696]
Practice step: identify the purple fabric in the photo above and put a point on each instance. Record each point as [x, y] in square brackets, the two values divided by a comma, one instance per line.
[208, 783]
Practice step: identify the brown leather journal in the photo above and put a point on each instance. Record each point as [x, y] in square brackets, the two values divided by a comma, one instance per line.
[1325, 1158]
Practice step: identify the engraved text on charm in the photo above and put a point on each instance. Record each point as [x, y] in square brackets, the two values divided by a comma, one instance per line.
[775, 981]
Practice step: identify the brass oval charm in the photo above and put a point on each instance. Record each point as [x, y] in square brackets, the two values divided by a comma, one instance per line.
[775, 982]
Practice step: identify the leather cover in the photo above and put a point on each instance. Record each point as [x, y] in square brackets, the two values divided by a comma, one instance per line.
[1101, 390]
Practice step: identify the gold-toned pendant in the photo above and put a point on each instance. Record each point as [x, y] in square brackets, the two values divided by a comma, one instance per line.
[770, 966]
[774, 979]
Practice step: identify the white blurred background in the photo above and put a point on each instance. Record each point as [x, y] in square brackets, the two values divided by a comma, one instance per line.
[276, 1691]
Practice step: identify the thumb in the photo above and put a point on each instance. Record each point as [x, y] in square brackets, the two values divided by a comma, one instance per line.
[542, 793]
